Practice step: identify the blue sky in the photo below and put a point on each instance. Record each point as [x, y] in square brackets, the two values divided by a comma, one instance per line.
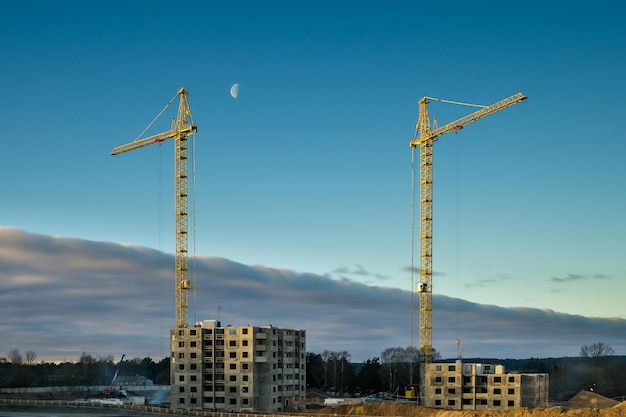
[309, 169]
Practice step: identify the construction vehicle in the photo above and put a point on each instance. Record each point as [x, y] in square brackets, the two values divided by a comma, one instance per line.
[424, 139]
[110, 391]
[182, 128]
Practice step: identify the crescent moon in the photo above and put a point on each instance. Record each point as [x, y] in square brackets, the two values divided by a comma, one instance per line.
[234, 90]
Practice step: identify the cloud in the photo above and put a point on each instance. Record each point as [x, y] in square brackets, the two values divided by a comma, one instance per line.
[416, 271]
[487, 281]
[360, 271]
[61, 296]
[578, 277]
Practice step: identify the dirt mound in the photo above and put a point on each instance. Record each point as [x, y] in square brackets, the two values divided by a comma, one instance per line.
[390, 409]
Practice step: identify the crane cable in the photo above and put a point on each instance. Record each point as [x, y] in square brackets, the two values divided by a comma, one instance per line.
[457, 206]
[157, 116]
[160, 255]
[457, 102]
[412, 254]
[415, 136]
[193, 182]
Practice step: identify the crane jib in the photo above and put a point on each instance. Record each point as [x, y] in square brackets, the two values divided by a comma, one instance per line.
[472, 117]
[161, 137]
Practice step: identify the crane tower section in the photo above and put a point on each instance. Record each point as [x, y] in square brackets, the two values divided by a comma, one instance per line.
[424, 138]
[182, 128]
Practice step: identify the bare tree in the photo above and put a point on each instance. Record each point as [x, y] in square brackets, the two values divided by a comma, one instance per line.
[30, 357]
[392, 360]
[399, 364]
[106, 358]
[334, 359]
[336, 370]
[597, 350]
[344, 361]
[326, 356]
[15, 357]
[87, 358]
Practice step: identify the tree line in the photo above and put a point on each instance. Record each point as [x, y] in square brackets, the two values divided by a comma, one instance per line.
[392, 372]
[397, 368]
[19, 370]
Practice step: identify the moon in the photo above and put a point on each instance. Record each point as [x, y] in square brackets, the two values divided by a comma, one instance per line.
[234, 90]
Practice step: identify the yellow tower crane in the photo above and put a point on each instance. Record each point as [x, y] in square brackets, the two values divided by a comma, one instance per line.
[182, 127]
[424, 138]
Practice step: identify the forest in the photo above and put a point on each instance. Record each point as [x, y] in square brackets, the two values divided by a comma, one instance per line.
[333, 372]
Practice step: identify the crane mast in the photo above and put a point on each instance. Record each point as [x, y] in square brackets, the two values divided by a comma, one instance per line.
[424, 138]
[182, 127]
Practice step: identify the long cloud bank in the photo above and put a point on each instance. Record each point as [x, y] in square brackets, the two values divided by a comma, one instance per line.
[61, 296]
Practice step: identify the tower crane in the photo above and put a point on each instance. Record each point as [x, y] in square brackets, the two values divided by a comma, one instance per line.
[182, 127]
[424, 138]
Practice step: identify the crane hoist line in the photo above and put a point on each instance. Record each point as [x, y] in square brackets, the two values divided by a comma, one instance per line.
[424, 138]
[182, 128]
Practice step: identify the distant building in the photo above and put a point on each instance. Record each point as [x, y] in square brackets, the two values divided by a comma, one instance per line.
[137, 380]
[475, 386]
[238, 368]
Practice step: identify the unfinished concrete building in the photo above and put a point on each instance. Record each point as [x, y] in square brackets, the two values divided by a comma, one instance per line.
[475, 386]
[238, 368]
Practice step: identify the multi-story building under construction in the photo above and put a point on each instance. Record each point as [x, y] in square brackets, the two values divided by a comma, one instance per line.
[238, 368]
[475, 386]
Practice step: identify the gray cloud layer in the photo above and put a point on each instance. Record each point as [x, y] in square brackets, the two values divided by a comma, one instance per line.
[61, 296]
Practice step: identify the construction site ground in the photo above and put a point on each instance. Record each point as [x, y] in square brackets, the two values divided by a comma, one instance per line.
[370, 409]
[394, 409]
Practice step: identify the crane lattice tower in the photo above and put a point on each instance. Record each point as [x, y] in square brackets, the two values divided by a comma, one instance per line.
[182, 128]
